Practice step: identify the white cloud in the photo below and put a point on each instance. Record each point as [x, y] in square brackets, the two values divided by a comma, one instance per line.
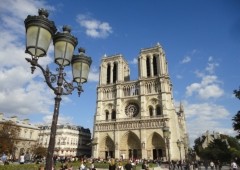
[94, 28]
[208, 88]
[134, 61]
[93, 75]
[20, 91]
[179, 76]
[211, 67]
[201, 117]
[186, 59]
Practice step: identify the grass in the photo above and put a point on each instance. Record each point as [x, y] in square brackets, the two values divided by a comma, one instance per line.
[58, 166]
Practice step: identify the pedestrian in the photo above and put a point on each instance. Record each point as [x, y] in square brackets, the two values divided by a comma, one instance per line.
[4, 158]
[234, 165]
[212, 165]
[145, 165]
[22, 160]
[112, 165]
[128, 165]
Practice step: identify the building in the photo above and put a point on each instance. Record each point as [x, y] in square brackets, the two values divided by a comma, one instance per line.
[131, 115]
[208, 138]
[26, 138]
[71, 141]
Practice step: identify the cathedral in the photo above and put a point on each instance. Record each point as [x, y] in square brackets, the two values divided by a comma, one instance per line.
[137, 119]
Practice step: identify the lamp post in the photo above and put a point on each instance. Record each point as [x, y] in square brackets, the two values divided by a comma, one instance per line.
[166, 135]
[179, 143]
[39, 33]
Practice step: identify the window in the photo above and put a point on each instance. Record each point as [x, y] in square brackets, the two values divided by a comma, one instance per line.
[115, 72]
[159, 110]
[113, 115]
[150, 111]
[154, 65]
[148, 67]
[108, 74]
[107, 115]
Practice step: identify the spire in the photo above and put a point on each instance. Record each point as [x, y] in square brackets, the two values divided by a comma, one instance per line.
[181, 110]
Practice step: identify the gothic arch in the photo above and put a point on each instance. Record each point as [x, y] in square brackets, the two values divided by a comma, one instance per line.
[107, 147]
[156, 145]
[130, 145]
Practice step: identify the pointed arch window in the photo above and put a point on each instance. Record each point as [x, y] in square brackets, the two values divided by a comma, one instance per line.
[113, 115]
[150, 111]
[148, 66]
[107, 115]
[158, 110]
[108, 73]
[155, 65]
[115, 66]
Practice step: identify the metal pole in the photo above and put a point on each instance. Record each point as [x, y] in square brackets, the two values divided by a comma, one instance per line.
[169, 163]
[51, 146]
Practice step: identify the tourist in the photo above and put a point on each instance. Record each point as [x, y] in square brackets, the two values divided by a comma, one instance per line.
[22, 160]
[128, 165]
[145, 165]
[234, 165]
[112, 165]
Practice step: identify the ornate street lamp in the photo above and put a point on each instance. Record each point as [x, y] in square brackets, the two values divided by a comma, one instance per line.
[179, 143]
[39, 33]
[166, 135]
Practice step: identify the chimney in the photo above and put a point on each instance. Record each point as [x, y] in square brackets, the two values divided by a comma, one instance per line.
[14, 119]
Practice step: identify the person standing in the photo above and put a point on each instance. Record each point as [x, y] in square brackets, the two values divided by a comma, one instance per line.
[234, 165]
[4, 158]
[128, 165]
[112, 165]
[22, 160]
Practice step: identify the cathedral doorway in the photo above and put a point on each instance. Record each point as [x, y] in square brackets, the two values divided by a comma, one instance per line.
[131, 146]
[156, 146]
[157, 153]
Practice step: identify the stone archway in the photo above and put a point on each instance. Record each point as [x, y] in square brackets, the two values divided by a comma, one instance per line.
[130, 146]
[107, 148]
[156, 146]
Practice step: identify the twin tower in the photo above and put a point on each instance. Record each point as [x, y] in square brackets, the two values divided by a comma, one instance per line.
[131, 115]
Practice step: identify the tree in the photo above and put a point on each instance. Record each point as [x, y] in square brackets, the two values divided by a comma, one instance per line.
[216, 150]
[236, 118]
[9, 134]
[237, 93]
[39, 151]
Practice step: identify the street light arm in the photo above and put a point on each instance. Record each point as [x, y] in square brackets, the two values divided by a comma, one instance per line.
[51, 78]
[47, 74]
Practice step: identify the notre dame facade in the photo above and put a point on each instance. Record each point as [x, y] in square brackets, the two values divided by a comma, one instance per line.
[132, 117]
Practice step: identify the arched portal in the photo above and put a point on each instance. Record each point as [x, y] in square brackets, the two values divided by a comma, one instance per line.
[156, 146]
[130, 147]
[107, 148]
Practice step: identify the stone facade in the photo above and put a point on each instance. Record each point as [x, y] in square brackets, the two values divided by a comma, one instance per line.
[71, 141]
[130, 115]
[27, 138]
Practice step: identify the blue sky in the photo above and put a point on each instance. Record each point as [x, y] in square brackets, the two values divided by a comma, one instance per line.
[201, 39]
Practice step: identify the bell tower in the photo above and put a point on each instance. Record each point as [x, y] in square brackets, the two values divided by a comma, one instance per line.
[131, 115]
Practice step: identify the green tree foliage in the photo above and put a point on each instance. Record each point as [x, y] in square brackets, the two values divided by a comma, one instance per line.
[237, 93]
[217, 150]
[224, 149]
[236, 118]
[39, 151]
[9, 135]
